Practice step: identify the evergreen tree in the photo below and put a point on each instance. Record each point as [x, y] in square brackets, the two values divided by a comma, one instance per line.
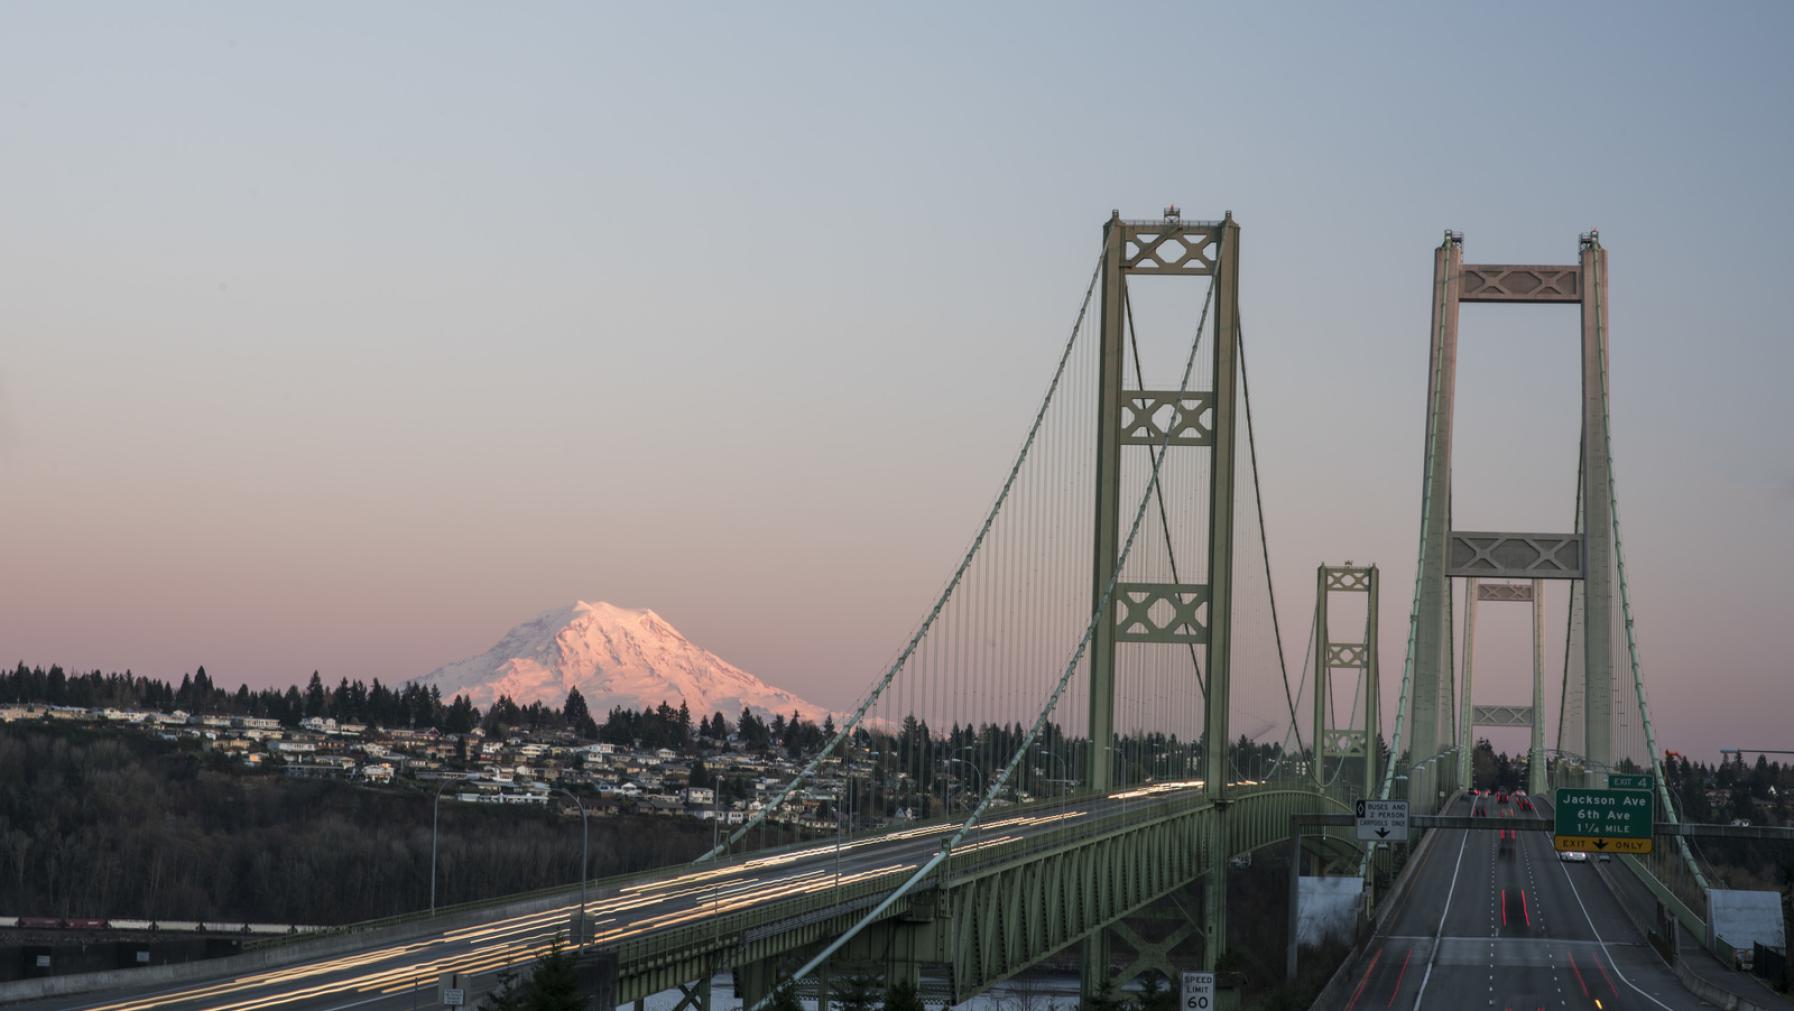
[577, 716]
[1155, 995]
[901, 995]
[292, 707]
[314, 696]
[555, 985]
[784, 998]
[857, 993]
[753, 731]
[1103, 998]
[461, 716]
[202, 688]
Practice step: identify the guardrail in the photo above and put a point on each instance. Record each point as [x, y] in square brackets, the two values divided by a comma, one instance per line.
[111, 924]
[570, 890]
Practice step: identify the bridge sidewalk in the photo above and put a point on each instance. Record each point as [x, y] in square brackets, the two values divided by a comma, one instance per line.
[1702, 972]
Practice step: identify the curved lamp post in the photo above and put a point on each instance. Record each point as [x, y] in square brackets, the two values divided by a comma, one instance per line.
[579, 919]
[435, 815]
[974, 768]
[1064, 771]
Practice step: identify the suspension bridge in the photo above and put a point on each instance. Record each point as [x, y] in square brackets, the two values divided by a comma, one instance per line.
[1097, 720]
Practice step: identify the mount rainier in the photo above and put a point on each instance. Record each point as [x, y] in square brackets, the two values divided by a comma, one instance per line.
[615, 656]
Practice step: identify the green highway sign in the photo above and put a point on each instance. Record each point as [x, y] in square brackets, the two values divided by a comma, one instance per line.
[1630, 781]
[1602, 820]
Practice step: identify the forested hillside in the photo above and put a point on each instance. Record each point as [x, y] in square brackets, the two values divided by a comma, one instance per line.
[125, 825]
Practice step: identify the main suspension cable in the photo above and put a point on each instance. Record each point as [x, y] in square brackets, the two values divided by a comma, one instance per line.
[1103, 611]
[940, 603]
[1264, 539]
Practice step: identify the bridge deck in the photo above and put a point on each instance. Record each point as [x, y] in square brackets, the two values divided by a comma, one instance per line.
[666, 929]
[1504, 923]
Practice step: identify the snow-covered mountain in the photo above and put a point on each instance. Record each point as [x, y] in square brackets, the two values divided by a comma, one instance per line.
[615, 656]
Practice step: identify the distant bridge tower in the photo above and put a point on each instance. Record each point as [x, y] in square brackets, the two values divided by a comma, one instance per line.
[1358, 656]
[1472, 715]
[1585, 555]
[1197, 609]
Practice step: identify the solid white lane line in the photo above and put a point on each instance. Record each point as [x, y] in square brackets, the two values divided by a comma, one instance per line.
[1609, 955]
[1433, 956]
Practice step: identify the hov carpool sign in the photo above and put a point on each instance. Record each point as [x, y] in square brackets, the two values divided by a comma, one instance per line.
[1603, 821]
[1381, 820]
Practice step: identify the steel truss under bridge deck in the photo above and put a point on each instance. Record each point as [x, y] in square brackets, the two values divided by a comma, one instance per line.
[994, 909]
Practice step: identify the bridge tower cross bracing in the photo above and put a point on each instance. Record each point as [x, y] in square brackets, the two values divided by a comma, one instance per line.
[1200, 613]
[1586, 556]
[1359, 656]
[1471, 715]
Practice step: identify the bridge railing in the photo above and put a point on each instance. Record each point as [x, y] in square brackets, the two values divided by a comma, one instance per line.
[596, 888]
[1257, 817]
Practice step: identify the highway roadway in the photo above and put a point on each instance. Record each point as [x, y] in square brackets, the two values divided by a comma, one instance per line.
[1492, 922]
[403, 974]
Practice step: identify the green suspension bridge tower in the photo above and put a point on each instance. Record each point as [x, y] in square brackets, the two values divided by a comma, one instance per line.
[1472, 716]
[1192, 613]
[1586, 555]
[1358, 656]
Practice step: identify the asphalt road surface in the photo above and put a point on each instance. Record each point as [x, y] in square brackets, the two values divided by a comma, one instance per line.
[404, 975]
[1496, 920]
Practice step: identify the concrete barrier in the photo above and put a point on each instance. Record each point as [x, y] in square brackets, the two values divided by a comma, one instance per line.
[1713, 993]
[273, 956]
[1692, 981]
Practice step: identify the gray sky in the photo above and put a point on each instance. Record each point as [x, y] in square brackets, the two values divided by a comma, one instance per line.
[345, 337]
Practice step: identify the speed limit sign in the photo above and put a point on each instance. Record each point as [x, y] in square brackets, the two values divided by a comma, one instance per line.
[1199, 991]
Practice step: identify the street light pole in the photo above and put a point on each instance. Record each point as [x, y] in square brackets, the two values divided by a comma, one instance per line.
[974, 768]
[579, 920]
[435, 815]
[1064, 771]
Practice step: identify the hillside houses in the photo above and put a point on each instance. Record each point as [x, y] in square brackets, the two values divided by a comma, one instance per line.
[720, 780]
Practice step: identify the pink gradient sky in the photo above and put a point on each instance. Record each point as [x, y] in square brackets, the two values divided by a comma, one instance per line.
[347, 342]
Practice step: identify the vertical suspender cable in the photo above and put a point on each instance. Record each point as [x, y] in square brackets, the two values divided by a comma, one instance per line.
[1619, 554]
[1264, 540]
[953, 583]
[1102, 612]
